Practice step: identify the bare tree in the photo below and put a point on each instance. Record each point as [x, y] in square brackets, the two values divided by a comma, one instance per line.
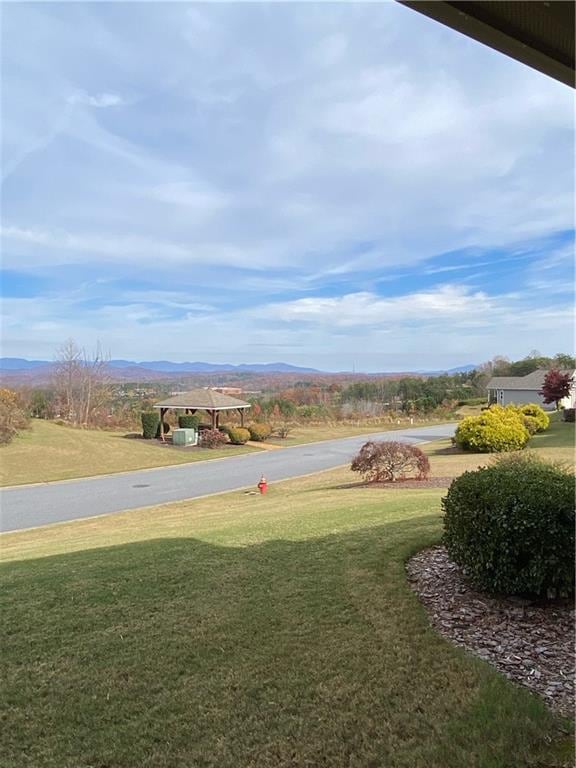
[81, 381]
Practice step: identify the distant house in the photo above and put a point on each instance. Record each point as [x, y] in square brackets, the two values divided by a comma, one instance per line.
[505, 390]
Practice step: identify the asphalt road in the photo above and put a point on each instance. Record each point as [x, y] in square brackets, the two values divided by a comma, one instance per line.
[35, 505]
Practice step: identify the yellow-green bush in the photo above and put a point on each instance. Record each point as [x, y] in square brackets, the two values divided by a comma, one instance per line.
[259, 431]
[534, 411]
[495, 430]
[238, 435]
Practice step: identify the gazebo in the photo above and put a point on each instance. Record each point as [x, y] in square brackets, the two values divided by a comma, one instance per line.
[203, 400]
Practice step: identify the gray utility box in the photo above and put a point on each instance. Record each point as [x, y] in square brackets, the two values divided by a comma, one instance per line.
[184, 437]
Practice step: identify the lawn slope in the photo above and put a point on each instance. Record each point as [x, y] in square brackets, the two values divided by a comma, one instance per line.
[50, 452]
[247, 631]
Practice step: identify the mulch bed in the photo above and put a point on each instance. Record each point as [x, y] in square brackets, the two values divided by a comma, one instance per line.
[532, 643]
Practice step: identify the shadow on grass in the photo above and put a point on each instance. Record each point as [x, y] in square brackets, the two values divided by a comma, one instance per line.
[179, 652]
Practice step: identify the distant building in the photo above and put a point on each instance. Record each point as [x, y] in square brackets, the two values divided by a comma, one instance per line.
[507, 390]
[228, 390]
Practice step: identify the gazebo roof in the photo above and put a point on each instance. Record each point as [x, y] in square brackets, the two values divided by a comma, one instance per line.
[203, 400]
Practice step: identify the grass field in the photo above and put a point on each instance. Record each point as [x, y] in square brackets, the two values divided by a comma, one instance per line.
[51, 452]
[252, 631]
[302, 434]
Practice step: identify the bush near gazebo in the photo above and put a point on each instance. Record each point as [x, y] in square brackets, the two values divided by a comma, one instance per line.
[188, 421]
[259, 431]
[495, 430]
[150, 423]
[238, 435]
[510, 526]
[213, 438]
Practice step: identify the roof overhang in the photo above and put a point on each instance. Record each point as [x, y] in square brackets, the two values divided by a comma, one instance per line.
[539, 34]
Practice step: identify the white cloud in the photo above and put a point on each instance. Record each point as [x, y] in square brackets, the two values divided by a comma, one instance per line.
[100, 100]
[368, 309]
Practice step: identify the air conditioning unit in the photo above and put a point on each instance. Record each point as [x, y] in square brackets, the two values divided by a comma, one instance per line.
[186, 436]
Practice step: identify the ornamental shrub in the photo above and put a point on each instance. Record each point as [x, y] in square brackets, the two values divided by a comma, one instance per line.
[389, 461]
[213, 438]
[536, 412]
[238, 435]
[150, 424]
[532, 424]
[493, 431]
[259, 431]
[188, 421]
[510, 526]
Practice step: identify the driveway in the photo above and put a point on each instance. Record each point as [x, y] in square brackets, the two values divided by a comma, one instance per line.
[35, 505]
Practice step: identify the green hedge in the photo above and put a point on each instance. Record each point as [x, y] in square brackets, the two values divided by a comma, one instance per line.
[150, 422]
[511, 527]
[188, 421]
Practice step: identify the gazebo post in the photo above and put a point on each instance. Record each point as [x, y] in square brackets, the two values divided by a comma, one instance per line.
[213, 418]
[162, 414]
[241, 412]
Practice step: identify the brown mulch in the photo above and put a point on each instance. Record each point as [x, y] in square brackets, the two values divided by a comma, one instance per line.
[532, 643]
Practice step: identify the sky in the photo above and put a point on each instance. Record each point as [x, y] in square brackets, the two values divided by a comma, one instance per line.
[345, 186]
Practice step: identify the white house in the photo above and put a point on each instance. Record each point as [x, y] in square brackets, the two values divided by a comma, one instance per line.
[505, 390]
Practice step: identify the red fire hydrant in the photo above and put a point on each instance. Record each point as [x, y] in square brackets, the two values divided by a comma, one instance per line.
[262, 485]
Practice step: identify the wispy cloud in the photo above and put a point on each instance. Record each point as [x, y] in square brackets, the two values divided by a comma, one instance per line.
[100, 100]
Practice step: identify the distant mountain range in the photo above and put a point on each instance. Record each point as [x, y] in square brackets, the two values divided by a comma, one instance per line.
[155, 369]
[17, 368]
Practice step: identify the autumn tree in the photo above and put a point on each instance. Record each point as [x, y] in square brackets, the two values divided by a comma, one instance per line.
[13, 416]
[81, 381]
[556, 387]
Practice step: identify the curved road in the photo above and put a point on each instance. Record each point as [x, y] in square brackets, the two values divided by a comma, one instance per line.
[46, 503]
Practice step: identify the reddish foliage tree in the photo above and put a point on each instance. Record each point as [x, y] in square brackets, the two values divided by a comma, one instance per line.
[556, 386]
[383, 461]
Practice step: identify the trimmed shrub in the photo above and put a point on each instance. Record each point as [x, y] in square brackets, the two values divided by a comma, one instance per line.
[213, 438]
[259, 431]
[493, 431]
[238, 435]
[510, 526]
[536, 412]
[150, 424]
[188, 421]
[390, 461]
[568, 414]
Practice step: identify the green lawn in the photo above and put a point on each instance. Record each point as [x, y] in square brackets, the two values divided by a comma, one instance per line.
[249, 631]
[51, 452]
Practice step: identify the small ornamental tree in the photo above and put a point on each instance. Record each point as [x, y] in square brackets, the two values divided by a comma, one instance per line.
[556, 387]
[390, 461]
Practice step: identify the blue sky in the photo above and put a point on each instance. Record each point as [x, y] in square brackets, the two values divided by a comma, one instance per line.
[335, 185]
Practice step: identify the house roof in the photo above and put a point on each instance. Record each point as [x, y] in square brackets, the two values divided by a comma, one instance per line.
[539, 34]
[203, 400]
[532, 381]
